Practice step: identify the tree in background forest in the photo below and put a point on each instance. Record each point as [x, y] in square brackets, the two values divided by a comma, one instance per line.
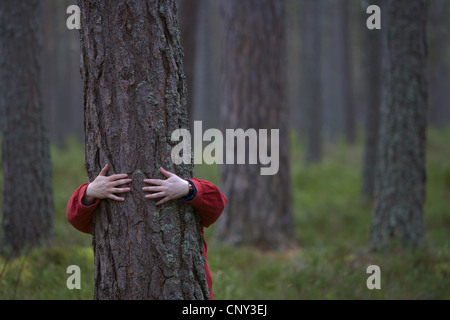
[134, 98]
[188, 16]
[311, 81]
[27, 195]
[337, 62]
[401, 177]
[372, 57]
[438, 63]
[61, 83]
[259, 211]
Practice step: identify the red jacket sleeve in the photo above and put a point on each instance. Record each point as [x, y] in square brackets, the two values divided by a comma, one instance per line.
[78, 214]
[208, 201]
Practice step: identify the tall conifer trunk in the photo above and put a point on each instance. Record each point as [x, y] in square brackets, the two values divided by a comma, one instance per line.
[400, 183]
[134, 98]
[259, 211]
[27, 195]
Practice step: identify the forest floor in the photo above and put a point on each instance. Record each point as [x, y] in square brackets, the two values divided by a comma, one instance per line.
[332, 226]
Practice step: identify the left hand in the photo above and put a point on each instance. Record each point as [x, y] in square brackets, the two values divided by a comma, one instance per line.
[172, 188]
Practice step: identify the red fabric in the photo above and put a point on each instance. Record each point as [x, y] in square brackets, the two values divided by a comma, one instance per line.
[209, 202]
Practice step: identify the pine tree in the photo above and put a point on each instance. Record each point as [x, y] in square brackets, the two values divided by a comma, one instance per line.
[134, 98]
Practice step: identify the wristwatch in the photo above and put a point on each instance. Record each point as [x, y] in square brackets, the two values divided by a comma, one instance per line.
[191, 189]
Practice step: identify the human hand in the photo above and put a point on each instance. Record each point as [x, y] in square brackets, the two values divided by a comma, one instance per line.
[172, 188]
[105, 187]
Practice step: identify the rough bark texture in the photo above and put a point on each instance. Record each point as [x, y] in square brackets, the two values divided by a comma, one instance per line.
[400, 184]
[134, 98]
[259, 208]
[27, 194]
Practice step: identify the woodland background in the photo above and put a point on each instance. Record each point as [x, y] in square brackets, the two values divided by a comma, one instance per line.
[332, 213]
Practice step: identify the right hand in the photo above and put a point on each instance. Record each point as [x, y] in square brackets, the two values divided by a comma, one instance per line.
[106, 187]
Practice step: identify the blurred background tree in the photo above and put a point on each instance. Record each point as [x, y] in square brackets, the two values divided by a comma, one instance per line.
[253, 95]
[28, 211]
[400, 180]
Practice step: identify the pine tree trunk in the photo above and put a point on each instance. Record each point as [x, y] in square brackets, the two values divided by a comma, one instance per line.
[372, 62]
[259, 208]
[400, 184]
[134, 98]
[311, 81]
[27, 195]
[438, 64]
[188, 17]
[206, 86]
[345, 72]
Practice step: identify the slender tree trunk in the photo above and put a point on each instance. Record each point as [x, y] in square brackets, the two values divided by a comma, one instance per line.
[253, 97]
[333, 72]
[134, 98]
[311, 81]
[346, 75]
[400, 184]
[339, 114]
[372, 69]
[62, 86]
[207, 65]
[294, 62]
[438, 67]
[27, 194]
[188, 17]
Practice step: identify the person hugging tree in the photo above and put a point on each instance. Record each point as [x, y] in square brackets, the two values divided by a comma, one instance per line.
[204, 196]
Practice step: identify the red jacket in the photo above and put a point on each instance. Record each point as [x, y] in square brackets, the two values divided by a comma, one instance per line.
[206, 199]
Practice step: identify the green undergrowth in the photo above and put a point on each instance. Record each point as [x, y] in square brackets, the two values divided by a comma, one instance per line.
[332, 224]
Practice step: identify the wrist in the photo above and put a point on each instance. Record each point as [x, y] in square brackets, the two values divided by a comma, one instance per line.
[187, 188]
[89, 198]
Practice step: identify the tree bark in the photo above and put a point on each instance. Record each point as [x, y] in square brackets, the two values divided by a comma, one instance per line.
[400, 183]
[134, 98]
[27, 195]
[259, 210]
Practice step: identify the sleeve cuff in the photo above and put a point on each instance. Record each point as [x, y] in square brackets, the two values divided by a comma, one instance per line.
[81, 197]
[192, 196]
